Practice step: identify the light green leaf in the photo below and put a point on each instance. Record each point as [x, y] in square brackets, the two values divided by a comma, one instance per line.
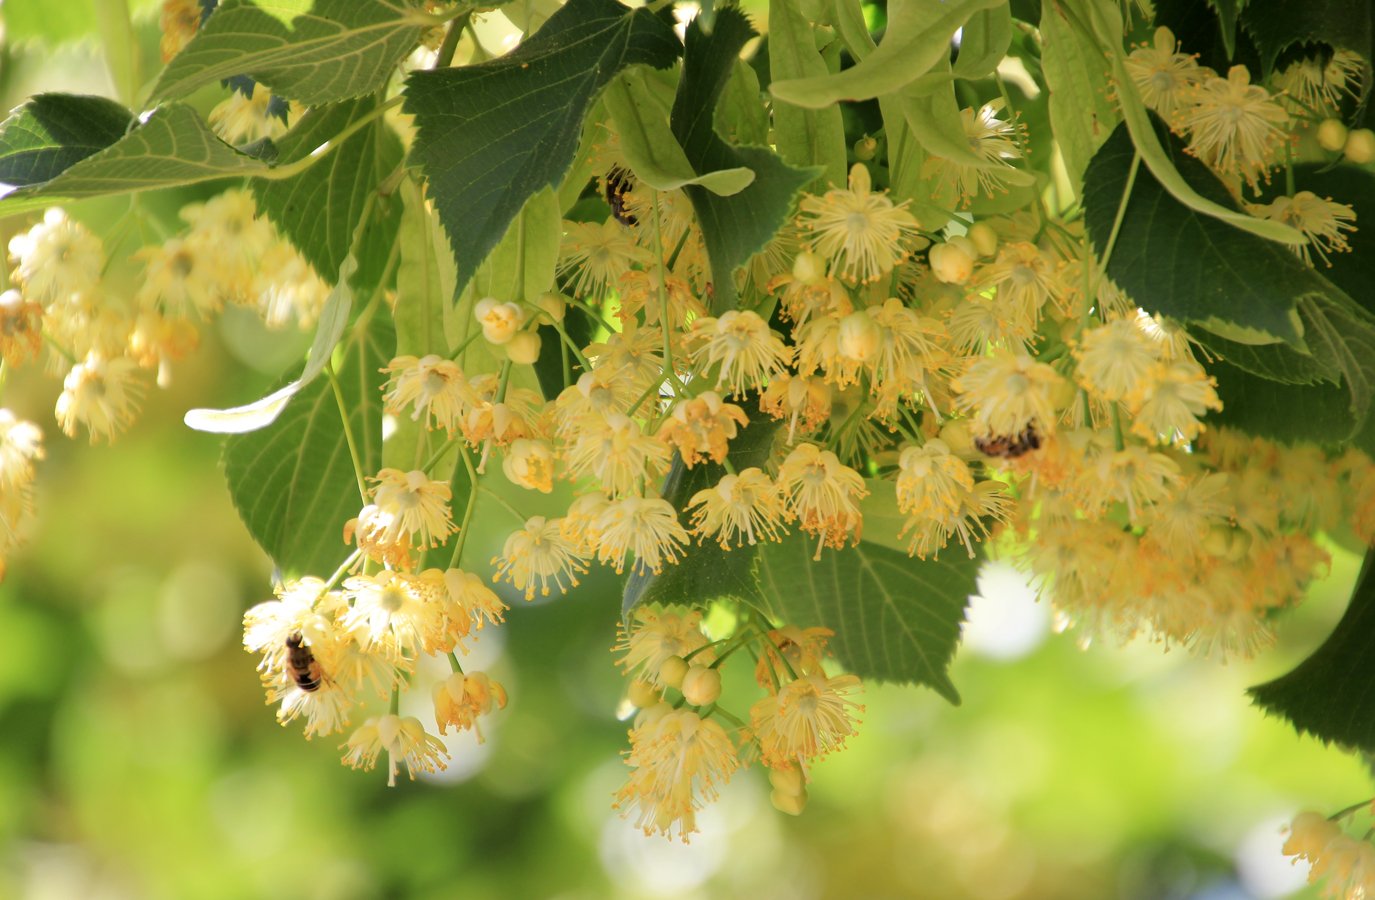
[895, 619]
[293, 482]
[50, 133]
[805, 137]
[741, 116]
[650, 148]
[1081, 114]
[425, 278]
[314, 51]
[491, 135]
[734, 227]
[848, 16]
[319, 209]
[173, 147]
[917, 39]
[261, 413]
[522, 265]
[984, 42]
[1106, 22]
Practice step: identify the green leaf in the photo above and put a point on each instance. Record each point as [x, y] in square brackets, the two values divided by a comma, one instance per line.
[741, 116]
[1174, 261]
[1106, 21]
[1227, 11]
[895, 619]
[1277, 24]
[1081, 115]
[523, 263]
[424, 278]
[50, 133]
[319, 209]
[1271, 409]
[491, 135]
[654, 154]
[918, 38]
[1331, 694]
[734, 227]
[293, 482]
[707, 572]
[314, 51]
[805, 137]
[173, 147]
[933, 118]
[983, 42]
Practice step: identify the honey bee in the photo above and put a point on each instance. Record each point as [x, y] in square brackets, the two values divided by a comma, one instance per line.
[301, 664]
[618, 184]
[1009, 446]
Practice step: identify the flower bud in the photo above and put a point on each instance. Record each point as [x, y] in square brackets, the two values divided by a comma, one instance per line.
[500, 321]
[650, 714]
[792, 804]
[860, 337]
[642, 694]
[866, 148]
[952, 262]
[788, 781]
[1360, 146]
[552, 305]
[1332, 135]
[388, 730]
[530, 464]
[985, 239]
[955, 434]
[808, 268]
[701, 685]
[672, 670]
[524, 348]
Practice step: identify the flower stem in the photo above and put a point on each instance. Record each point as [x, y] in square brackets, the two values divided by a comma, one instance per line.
[462, 538]
[349, 439]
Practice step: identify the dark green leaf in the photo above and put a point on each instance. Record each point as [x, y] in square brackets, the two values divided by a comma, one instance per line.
[1331, 694]
[293, 482]
[1320, 413]
[805, 137]
[895, 619]
[1174, 261]
[491, 135]
[52, 132]
[314, 51]
[1277, 24]
[733, 227]
[1227, 11]
[173, 147]
[320, 208]
[707, 572]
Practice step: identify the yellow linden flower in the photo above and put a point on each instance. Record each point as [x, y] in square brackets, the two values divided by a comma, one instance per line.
[1005, 394]
[243, 119]
[21, 444]
[21, 328]
[744, 346]
[180, 20]
[416, 506]
[931, 480]
[824, 494]
[393, 615]
[808, 291]
[647, 527]
[325, 709]
[57, 261]
[1170, 403]
[467, 600]
[1321, 221]
[1346, 863]
[596, 254]
[286, 290]
[403, 739]
[1182, 520]
[1024, 277]
[430, 386]
[863, 234]
[633, 355]
[679, 761]
[743, 508]
[530, 464]
[791, 651]
[539, 554]
[803, 401]
[1235, 126]
[1163, 75]
[1133, 476]
[657, 635]
[617, 454]
[700, 428]
[807, 719]
[1115, 359]
[989, 138]
[595, 395]
[929, 532]
[229, 224]
[641, 292]
[102, 394]
[580, 525]
[980, 321]
[462, 698]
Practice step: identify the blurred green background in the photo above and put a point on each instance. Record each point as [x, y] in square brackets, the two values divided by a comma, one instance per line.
[137, 758]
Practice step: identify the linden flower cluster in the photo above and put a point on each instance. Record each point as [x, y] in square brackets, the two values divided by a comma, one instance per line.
[1344, 863]
[680, 752]
[21, 445]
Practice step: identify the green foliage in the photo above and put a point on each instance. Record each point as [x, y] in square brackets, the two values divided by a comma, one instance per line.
[491, 135]
[172, 147]
[984, 41]
[1273, 25]
[1081, 113]
[53, 132]
[293, 482]
[707, 572]
[1331, 694]
[1227, 11]
[734, 227]
[895, 618]
[320, 209]
[805, 137]
[1172, 260]
[314, 51]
